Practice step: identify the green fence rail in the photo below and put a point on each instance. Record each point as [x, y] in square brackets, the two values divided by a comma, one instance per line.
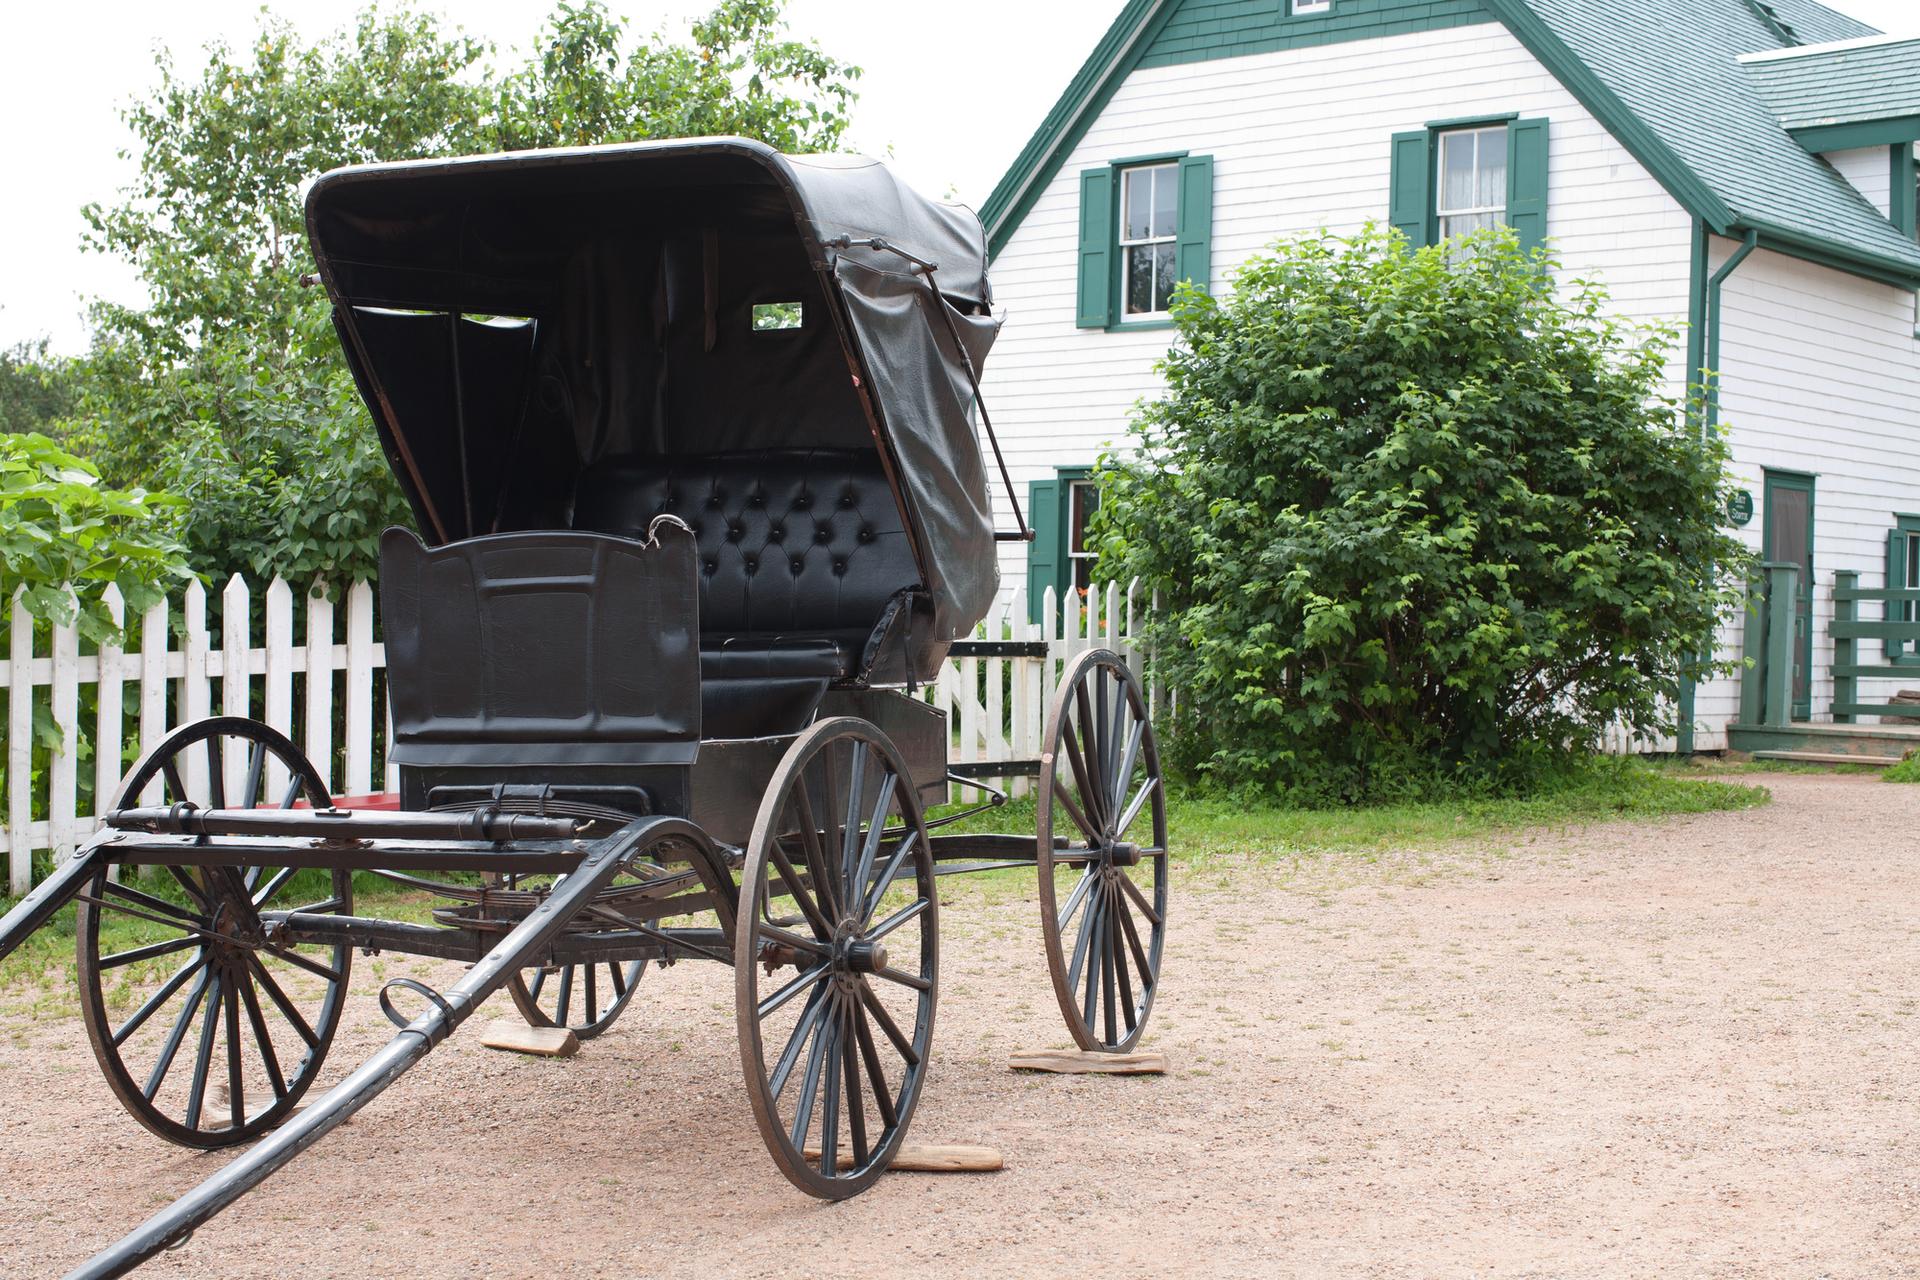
[1848, 630]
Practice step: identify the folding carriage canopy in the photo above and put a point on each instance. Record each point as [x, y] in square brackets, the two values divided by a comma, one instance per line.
[513, 320]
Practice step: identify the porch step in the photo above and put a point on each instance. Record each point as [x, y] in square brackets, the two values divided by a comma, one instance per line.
[1827, 757]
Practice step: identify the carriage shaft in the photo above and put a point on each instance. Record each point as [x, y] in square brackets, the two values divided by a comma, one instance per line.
[525, 857]
[47, 897]
[446, 1012]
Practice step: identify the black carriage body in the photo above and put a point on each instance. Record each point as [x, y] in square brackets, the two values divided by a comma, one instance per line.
[561, 348]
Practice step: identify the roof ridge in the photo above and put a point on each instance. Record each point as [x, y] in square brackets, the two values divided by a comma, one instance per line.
[1829, 46]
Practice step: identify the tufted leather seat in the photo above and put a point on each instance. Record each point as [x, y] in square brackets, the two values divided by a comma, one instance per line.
[802, 559]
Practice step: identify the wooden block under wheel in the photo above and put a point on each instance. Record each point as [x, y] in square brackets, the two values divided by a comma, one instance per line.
[1079, 1062]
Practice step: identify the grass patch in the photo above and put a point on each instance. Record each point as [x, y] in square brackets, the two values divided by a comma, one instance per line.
[1908, 770]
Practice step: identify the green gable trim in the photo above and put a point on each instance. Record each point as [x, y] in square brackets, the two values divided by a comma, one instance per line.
[1865, 133]
[1203, 30]
[1243, 27]
[1905, 197]
[1826, 254]
[1471, 122]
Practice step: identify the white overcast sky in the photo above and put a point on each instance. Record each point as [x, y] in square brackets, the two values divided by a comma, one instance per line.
[951, 89]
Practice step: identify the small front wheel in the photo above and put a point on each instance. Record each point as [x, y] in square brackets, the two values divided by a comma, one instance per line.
[1103, 871]
[836, 958]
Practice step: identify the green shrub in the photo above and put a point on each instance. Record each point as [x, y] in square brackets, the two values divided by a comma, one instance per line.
[1908, 770]
[1418, 523]
[59, 524]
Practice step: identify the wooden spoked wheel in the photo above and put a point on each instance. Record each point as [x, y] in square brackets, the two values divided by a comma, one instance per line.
[208, 1024]
[1102, 853]
[836, 958]
[583, 998]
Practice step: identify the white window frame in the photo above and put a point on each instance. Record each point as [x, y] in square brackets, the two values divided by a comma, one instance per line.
[1079, 556]
[1440, 212]
[1170, 171]
[1303, 7]
[1912, 559]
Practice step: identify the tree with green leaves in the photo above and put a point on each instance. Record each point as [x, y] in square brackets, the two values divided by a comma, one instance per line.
[36, 387]
[228, 388]
[1417, 521]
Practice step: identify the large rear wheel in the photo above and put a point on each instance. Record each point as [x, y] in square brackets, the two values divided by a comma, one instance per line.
[836, 959]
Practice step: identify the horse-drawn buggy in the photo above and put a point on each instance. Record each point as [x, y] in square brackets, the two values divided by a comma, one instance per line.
[689, 431]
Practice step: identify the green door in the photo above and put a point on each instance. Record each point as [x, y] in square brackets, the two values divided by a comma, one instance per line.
[1788, 539]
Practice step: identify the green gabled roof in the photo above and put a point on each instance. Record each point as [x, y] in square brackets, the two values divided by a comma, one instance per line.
[1663, 76]
[1839, 84]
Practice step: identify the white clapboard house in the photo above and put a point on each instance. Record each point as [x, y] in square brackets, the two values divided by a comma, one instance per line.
[1744, 167]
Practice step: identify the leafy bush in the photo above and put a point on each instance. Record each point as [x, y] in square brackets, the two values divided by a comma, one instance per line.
[1417, 522]
[59, 524]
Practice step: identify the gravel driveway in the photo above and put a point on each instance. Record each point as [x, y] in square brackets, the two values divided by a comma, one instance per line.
[1684, 1048]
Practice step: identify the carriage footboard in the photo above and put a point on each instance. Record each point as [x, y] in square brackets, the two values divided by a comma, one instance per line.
[444, 1012]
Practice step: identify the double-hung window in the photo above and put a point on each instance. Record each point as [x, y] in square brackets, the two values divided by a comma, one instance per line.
[1146, 224]
[1149, 243]
[1471, 193]
[1083, 499]
[1060, 558]
[1456, 177]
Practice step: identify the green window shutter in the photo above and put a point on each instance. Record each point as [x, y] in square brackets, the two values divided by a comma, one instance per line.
[1043, 553]
[1098, 233]
[1527, 181]
[1896, 578]
[1195, 261]
[1410, 191]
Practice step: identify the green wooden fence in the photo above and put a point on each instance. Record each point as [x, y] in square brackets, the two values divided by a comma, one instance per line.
[1771, 648]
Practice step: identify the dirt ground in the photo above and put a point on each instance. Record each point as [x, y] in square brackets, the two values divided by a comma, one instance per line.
[1684, 1048]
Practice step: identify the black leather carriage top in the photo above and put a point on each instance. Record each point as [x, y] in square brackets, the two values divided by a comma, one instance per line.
[803, 563]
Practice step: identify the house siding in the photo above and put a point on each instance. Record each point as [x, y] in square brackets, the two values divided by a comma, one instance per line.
[1870, 172]
[1300, 139]
[1820, 373]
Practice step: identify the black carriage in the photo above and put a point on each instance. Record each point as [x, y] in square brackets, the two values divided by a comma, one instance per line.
[688, 431]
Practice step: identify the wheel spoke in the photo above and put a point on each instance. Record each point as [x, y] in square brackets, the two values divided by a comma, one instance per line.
[856, 1103]
[1134, 806]
[311, 966]
[268, 1058]
[1139, 899]
[797, 1040]
[1085, 752]
[876, 832]
[150, 902]
[280, 1001]
[830, 1109]
[787, 938]
[236, 1087]
[1122, 776]
[792, 989]
[870, 1054]
[203, 1056]
[187, 882]
[295, 785]
[850, 834]
[565, 1001]
[1120, 965]
[175, 787]
[1133, 942]
[157, 999]
[1080, 891]
[802, 897]
[887, 874]
[256, 761]
[171, 1048]
[810, 833]
[593, 996]
[887, 1024]
[1109, 956]
[1080, 943]
[810, 1086]
[216, 785]
[1114, 737]
[898, 918]
[1073, 811]
[273, 886]
[1089, 821]
[619, 979]
[151, 951]
[905, 979]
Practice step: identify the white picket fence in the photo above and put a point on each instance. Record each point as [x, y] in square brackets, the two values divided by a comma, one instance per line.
[996, 705]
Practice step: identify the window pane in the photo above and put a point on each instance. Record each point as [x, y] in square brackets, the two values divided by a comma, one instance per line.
[1139, 204]
[1166, 192]
[1456, 170]
[1139, 279]
[1163, 276]
[1086, 500]
[1460, 224]
[1492, 186]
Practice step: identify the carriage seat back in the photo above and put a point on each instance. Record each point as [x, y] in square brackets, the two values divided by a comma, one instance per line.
[541, 648]
[801, 555]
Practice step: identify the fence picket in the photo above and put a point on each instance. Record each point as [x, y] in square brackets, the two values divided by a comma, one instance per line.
[995, 705]
[319, 744]
[278, 677]
[20, 748]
